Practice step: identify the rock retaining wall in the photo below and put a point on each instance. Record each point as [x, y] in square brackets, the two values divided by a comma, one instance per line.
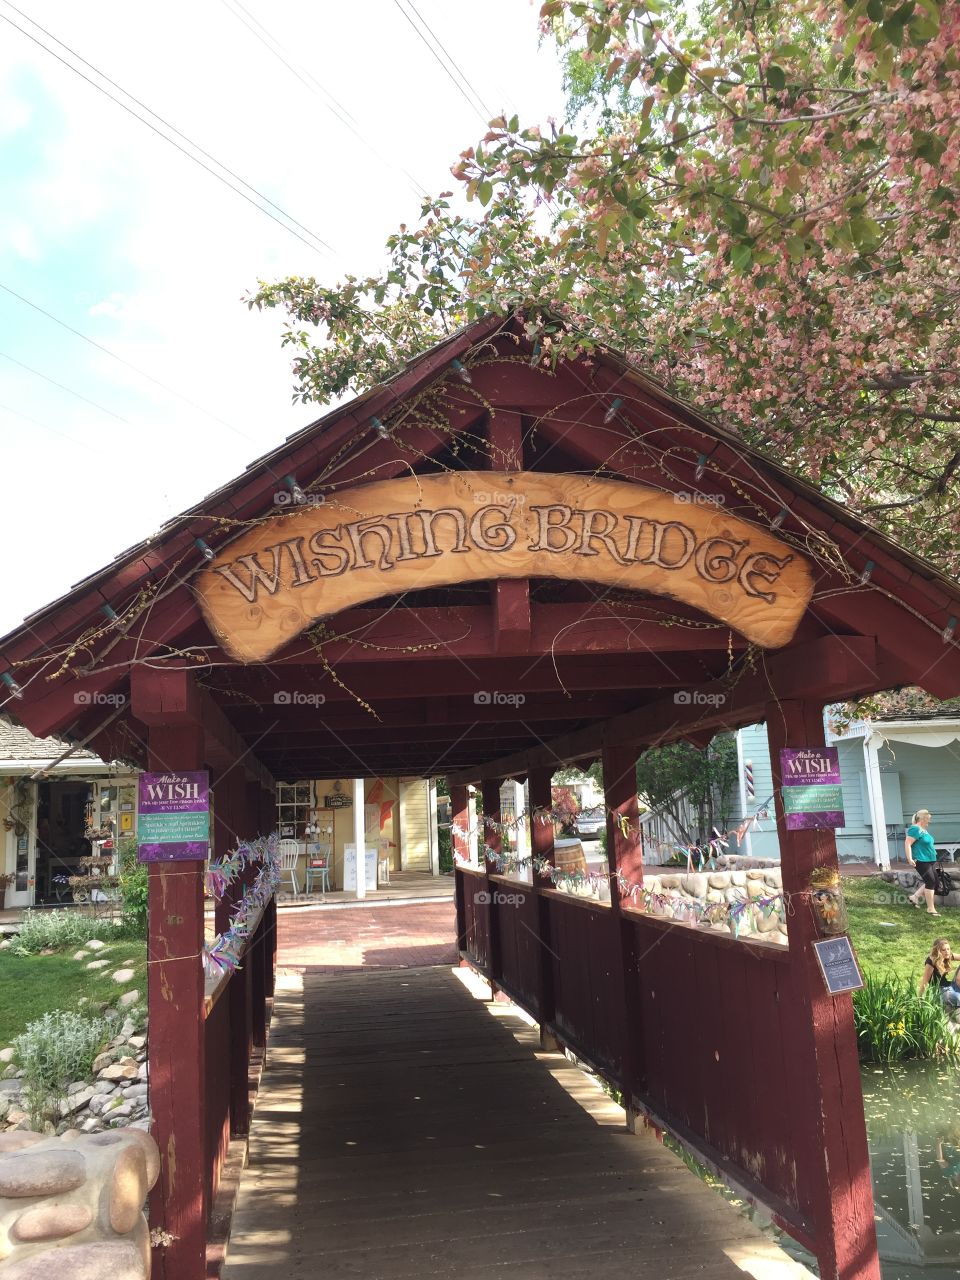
[71, 1207]
[677, 896]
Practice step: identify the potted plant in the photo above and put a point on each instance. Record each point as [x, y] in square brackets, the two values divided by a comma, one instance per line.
[6, 878]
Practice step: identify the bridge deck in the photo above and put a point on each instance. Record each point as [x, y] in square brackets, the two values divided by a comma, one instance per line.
[405, 1128]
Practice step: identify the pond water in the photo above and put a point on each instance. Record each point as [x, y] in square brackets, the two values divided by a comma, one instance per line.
[913, 1123]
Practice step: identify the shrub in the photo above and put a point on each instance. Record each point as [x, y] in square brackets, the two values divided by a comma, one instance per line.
[894, 1023]
[53, 1052]
[445, 848]
[134, 889]
[58, 929]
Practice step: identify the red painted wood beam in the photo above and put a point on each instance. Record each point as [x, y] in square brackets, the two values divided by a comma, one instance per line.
[510, 597]
[175, 991]
[820, 1039]
[170, 696]
[831, 668]
[535, 674]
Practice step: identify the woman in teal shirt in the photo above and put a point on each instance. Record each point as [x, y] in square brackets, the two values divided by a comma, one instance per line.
[922, 856]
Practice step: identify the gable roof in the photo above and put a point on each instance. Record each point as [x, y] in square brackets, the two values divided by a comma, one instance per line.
[909, 601]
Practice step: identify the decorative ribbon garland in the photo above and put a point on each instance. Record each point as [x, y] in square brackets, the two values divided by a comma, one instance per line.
[223, 954]
[686, 910]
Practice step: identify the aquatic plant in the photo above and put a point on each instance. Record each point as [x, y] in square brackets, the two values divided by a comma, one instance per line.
[893, 1022]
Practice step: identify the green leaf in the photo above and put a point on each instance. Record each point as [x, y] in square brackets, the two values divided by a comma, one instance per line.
[566, 284]
[796, 247]
[741, 257]
[677, 79]
[875, 10]
[484, 192]
[776, 77]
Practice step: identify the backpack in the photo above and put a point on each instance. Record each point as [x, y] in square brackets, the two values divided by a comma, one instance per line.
[943, 883]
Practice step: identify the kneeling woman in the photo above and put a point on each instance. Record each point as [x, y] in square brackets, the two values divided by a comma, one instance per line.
[936, 971]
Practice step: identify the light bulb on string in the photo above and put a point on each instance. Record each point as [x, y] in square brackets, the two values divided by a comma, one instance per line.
[949, 629]
[108, 612]
[868, 569]
[701, 467]
[11, 684]
[295, 491]
[535, 357]
[206, 551]
[380, 429]
[461, 370]
[779, 518]
[613, 410]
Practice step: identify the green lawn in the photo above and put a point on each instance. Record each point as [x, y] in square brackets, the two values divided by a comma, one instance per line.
[33, 985]
[890, 936]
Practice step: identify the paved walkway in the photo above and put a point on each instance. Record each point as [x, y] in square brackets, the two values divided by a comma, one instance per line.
[406, 1129]
[332, 941]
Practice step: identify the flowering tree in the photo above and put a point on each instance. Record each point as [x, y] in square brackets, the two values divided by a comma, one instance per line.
[760, 208]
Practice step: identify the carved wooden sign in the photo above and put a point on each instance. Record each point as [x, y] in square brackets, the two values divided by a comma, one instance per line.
[466, 526]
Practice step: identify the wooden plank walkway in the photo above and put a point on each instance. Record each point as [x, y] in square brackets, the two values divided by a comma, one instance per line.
[405, 1128]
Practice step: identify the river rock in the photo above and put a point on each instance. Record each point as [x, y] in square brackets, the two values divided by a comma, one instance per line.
[6, 1055]
[96, 1261]
[51, 1222]
[100, 1061]
[138, 1090]
[40, 1173]
[137, 1042]
[123, 976]
[12, 1141]
[104, 1086]
[128, 1189]
[125, 1069]
[129, 997]
[76, 1102]
[695, 884]
[97, 964]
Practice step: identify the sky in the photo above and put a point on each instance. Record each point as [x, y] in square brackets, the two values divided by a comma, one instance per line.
[120, 236]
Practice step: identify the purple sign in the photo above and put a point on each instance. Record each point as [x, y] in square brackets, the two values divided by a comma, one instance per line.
[173, 817]
[812, 790]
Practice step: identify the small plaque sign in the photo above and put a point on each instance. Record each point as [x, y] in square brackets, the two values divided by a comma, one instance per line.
[337, 800]
[173, 817]
[838, 964]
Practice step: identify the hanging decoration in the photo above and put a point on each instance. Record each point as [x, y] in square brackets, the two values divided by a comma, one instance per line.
[827, 902]
[223, 954]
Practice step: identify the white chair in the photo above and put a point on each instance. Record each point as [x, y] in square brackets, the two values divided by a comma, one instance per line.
[383, 871]
[289, 857]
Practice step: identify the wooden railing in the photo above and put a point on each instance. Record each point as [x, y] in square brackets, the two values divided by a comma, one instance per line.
[237, 1009]
[716, 1059]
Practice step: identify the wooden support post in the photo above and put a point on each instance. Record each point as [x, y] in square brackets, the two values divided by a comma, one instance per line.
[625, 863]
[542, 846]
[459, 840]
[510, 597]
[175, 994]
[494, 842]
[818, 1031]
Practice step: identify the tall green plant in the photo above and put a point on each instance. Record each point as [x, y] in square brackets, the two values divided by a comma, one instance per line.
[134, 888]
[894, 1023]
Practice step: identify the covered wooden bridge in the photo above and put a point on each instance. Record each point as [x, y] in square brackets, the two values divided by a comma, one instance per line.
[488, 569]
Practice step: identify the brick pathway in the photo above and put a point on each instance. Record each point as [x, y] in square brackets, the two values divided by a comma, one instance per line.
[332, 941]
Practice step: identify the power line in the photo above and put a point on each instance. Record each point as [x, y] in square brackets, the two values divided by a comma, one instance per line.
[319, 241]
[477, 104]
[69, 390]
[310, 82]
[126, 363]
